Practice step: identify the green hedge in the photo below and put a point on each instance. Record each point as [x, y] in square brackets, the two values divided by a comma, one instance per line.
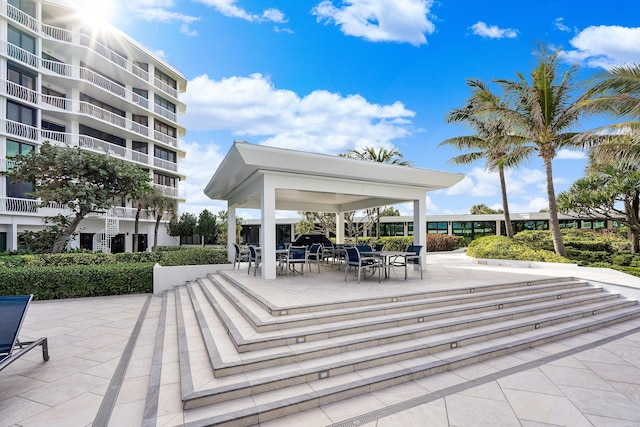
[72, 275]
[194, 256]
[55, 282]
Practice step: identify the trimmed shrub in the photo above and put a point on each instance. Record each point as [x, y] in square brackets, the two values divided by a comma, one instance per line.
[442, 242]
[194, 256]
[55, 282]
[501, 247]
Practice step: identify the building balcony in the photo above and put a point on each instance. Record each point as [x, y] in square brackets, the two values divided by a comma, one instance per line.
[85, 41]
[57, 104]
[14, 205]
[174, 192]
[88, 143]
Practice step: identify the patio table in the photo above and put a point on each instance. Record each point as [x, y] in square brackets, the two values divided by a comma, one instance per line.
[387, 256]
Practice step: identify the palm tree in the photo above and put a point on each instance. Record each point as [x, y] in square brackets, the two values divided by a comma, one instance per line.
[142, 203]
[494, 141]
[382, 155]
[543, 110]
[161, 204]
[617, 93]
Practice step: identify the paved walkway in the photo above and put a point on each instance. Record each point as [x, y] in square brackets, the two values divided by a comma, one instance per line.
[574, 386]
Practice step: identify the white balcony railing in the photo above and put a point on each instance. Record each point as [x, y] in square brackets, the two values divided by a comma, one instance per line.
[171, 191]
[30, 206]
[21, 206]
[85, 142]
[165, 113]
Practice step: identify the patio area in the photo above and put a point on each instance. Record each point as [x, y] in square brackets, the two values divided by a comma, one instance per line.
[106, 369]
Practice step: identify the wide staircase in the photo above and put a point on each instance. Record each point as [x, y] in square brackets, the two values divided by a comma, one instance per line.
[226, 355]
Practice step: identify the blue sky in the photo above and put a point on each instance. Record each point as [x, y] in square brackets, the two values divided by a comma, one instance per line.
[329, 76]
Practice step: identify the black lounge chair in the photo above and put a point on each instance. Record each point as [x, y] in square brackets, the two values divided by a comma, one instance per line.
[13, 310]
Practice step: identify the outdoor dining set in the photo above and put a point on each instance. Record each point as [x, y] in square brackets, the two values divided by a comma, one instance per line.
[365, 260]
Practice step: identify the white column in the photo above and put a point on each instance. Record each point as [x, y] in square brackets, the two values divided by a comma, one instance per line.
[268, 229]
[340, 227]
[231, 231]
[420, 226]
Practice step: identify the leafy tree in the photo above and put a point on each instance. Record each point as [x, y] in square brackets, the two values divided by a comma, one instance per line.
[184, 226]
[159, 205]
[42, 241]
[543, 110]
[495, 141]
[221, 238]
[382, 155]
[481, 209]
[81, 180]
[608, 190]
[311, 220]
[390, 211]
[207, 226]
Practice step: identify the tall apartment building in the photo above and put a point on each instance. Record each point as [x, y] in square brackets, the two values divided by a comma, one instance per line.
[68, 83]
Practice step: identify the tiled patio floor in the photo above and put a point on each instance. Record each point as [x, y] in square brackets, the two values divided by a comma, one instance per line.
[87, 337]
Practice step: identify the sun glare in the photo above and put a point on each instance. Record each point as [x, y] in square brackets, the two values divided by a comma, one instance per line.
[96, 12]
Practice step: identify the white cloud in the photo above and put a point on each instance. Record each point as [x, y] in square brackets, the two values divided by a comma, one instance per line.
[531, 205]
[493, 31]
[320, 121]
[402, 21]
[201, 162]
[571, 154]
[605, 46]
[559, 23]
[160, 10]
[228, 8]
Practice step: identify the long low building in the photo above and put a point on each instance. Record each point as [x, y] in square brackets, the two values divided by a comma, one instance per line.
[463, 225]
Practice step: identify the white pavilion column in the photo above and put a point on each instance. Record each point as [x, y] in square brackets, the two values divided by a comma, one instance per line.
[340, 227]
[268, 229]
[231, 231]
[420, 226]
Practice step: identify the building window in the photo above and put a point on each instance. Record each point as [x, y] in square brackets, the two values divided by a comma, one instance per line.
[19, 75]
[437, 227]
[140, 147]
[18, 189]
[104, 106]
[26, 6]
[20, 39]
[165, 78]
[21, 113]
[3, 241]
[143, 120]
[161, 153]
[52, 97]
[165, 180]
[164, 128]
[158, 100]
[141, 92]
[103, 136]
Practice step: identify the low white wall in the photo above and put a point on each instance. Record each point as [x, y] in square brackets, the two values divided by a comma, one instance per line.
[165, 278]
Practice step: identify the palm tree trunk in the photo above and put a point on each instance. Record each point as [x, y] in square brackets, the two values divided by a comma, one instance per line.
[135, 229]
[554, 224]
[505, 203]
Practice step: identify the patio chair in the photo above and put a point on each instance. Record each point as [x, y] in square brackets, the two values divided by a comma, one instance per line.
[354, 259]
[296, 255]
[314, 254]
[255, 257]
[241, 255]
[328, 251]
[13, 310]
[404, 261]
[378, 247]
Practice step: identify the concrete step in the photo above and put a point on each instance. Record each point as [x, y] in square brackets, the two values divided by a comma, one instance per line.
[214, 365]
[264, 321]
